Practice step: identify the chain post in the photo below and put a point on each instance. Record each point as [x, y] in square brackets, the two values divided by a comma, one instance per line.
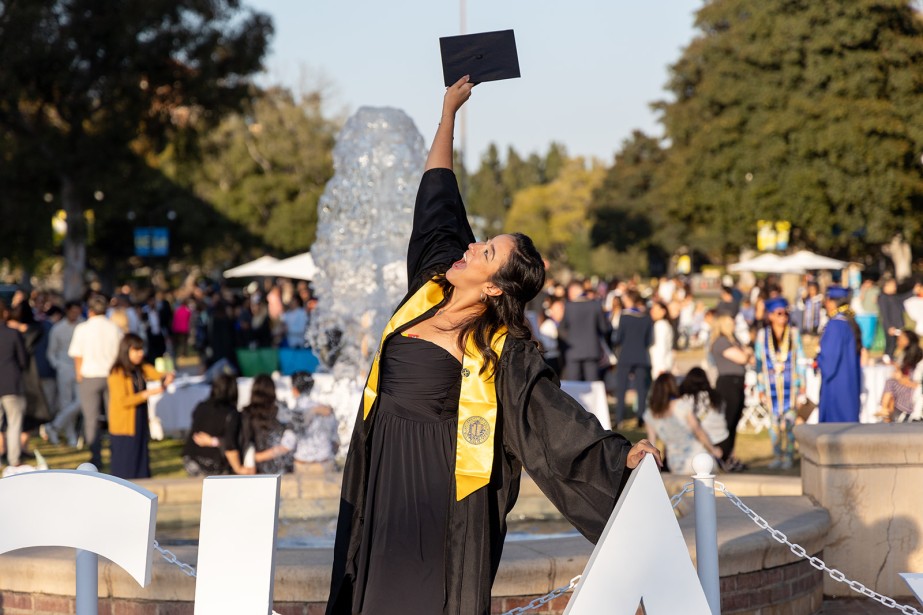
[706, 530]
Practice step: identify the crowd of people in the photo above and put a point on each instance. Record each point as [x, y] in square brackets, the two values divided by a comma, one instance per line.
[73, 371]
[70, 369]
[756, 344]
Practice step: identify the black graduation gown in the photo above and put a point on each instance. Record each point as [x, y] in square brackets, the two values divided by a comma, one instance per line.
[577, 464]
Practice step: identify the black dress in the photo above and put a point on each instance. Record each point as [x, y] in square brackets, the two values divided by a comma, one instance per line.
[410, 484]
[578, 465]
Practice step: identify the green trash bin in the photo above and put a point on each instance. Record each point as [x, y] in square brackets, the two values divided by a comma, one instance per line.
[258, 361]
[878, 343]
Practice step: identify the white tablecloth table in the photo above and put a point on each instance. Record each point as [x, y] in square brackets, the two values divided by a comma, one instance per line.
[174, 407]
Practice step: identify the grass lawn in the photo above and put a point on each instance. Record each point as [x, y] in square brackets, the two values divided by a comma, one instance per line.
[166, 456]
[755, 450]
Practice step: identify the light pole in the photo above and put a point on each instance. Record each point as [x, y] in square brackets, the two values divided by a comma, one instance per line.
[463, 116]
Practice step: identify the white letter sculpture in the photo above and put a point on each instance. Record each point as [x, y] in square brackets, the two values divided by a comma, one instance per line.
[641, 556]
[104, 515]
[237, 544]
[115, 518]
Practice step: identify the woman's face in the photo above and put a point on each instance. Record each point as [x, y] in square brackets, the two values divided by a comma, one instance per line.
[136, 355]
[656, 312]
[902, 341]
[481, 261]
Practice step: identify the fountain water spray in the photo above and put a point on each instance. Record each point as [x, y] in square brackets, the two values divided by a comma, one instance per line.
[364, 221]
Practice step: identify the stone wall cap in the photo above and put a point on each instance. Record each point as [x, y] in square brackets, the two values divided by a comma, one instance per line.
[855, 444]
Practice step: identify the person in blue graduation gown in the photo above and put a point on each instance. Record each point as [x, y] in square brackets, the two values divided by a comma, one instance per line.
[839, 361]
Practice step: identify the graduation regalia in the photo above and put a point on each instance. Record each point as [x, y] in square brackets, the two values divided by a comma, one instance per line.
[578, 465]
[840, 373]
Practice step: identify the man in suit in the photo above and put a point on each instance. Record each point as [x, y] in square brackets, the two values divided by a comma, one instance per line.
[632, 342]
[581, 333]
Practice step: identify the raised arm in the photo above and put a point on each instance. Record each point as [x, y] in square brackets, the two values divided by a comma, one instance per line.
[441, 232]
[441, 152]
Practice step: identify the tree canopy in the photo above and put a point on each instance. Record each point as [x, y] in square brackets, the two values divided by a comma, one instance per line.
[801, 110]
[85, 80]
[266, 168]
[555, 215]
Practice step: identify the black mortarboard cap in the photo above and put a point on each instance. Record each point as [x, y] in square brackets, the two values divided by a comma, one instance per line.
[487, 56]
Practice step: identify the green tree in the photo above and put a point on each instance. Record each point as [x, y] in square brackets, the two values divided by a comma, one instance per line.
[265, 168]
[804, 110]
[624, 209]
[24, 208]
[488, 198]
[556, 215]
[554, 161]
[518, 173]
[83, 79]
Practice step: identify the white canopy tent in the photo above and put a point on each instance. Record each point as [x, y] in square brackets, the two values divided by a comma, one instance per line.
[252, 269]
[807, 260]
[765, 263]
[299, 267]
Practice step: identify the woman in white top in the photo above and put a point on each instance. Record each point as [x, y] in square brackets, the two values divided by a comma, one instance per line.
[708, 406]
[672, 419]
[662, 349]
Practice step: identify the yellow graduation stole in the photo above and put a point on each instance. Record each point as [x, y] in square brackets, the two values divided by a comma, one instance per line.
[477, 404]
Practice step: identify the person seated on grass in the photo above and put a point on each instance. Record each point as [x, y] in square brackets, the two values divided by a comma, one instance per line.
[709, 408]
[672, 419]
[897, 399]
[316, 428]
[212, 447]
[273, 444]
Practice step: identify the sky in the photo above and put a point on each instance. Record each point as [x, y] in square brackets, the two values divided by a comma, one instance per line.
[590, 68]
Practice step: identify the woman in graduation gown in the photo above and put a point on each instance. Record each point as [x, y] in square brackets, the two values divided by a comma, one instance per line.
[840, 361]
[457, 402]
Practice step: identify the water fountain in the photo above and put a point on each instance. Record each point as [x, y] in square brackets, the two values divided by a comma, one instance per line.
[364, 222]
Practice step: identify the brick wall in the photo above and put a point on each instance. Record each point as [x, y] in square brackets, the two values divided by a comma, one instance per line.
[793, 589]
[796, 588]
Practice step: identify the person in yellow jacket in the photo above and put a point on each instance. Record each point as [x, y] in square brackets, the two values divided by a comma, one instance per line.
[128, 395]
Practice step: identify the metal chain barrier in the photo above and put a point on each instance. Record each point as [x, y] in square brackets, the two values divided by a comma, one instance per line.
[816, 562]
[188, 570]
[168, 555]
[687, 488]
[557, 593]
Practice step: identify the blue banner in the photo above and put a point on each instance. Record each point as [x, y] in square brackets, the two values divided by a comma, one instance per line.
[152, 241]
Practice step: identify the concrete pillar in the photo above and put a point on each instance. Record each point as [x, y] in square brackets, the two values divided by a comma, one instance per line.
[870, 480]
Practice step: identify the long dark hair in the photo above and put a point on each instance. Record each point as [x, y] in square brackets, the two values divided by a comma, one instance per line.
[122, 361]
[662, 393]
[695, 382]
[224, 390]
[262, 408]
[842, 305]
[520, 278]
[913, 354]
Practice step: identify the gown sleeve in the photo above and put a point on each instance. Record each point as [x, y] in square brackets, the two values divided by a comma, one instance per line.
[576, 463]
[441, 232]
[828, 359]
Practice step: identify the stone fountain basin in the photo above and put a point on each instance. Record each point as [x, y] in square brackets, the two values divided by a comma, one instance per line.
[758, 574]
